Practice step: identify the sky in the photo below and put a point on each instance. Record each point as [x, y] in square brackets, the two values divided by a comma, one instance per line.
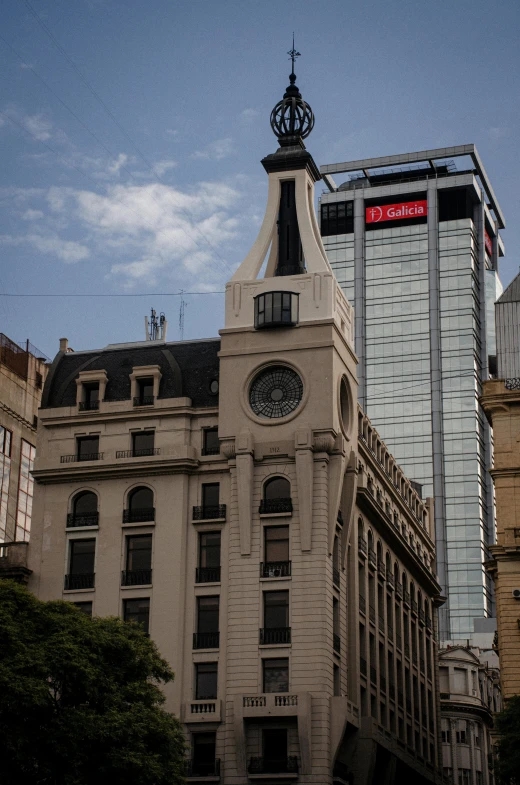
[131, 136]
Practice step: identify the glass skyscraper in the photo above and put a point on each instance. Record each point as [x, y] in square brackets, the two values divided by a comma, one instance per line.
[414, 241]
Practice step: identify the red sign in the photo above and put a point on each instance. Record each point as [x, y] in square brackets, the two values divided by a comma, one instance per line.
[488, 243]
[396, 212]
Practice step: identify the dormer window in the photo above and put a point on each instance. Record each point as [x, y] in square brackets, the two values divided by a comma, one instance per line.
[91, 386]
[90, 400]
[145, 391]
[276, 309]
[144, 384]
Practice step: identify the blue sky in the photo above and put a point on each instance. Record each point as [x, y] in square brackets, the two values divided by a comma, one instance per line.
[131, 135]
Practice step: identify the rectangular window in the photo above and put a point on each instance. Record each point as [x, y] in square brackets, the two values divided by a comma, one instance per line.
[276, 609]
[337, 218]
[84, 607]
[210, 495]
[210, 442]
[90, 396]
[203, 751]
[276, 675]
[207, 614]
[143, 443]
[5, 476]
[138, 560]
[87, 448]
[81, 564]
[25, 493]
[138, 611]
[276, 544]
[145, 391]
[206, 680]
[208, 570]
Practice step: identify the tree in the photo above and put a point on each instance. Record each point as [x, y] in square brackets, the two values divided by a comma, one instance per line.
[80, 702]
[507, 765]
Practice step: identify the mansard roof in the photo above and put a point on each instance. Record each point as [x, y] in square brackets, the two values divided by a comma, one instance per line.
[187, 370]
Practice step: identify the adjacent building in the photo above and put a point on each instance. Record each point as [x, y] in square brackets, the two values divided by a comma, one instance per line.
[414, 241]
[22, 375]
[231, 497]
[501, 403]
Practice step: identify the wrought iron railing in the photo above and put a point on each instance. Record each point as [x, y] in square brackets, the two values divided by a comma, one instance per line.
[372, 613]
[362, 604]
[373, 675]
[273, 506]
[381, 570]
[399, 590]
[398, 641]
[362, 546]
[275, 635]
[381, 623]
[87, 519]
[422, 617]
[144, 400]
[414, 607]
[202, 513]
[390, 581]
[372, 558]
[287, 765]
[335, 576]
[138, 453]
[336, 643]
[362, 666]
[406, 598]
[206, 640]
[275, 569]
[88, 406]
[139, 515]
[89, 456]
[207, 575]
[136, 577]
[84, 580]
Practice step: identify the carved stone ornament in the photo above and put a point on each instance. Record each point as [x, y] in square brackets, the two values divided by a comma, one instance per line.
[324, 441]
[228, 449]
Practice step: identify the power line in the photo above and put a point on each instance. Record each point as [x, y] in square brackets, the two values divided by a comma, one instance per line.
[117, 123]
[125, 294]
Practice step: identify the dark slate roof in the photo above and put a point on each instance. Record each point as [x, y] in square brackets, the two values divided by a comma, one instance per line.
[187, 369]
[512, 293]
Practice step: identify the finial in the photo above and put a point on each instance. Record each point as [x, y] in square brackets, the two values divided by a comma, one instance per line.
[293, 54]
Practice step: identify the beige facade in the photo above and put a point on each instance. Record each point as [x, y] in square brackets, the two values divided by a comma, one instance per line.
[265, 538]
[470, 696]
[22, 375]
[502, 407]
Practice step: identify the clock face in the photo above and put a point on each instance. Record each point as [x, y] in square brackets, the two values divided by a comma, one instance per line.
[275, 392]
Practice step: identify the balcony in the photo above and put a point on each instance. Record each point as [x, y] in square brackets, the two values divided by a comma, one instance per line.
[363, 666]
[362, 547]
[381, 624]
[390, 582]
[373, 676]
[202, 711]
[275, 569]
[414, 607]
[206, 640]
[203, 772]
[399, 590]
[372, 558]
[88, 406]
[422, 617]
[88, 519]
[336, 643]
[216, 512]
[335, 577]
[362, 604]
[372, 614]
[269, 766]
[276, 507]
[136, 577]
[90, 456]
[144, 400]
[381, 571]
[83, 581]
[275, 636]
[138, 453]
[207, 575]
[406, 598]
[139, 515]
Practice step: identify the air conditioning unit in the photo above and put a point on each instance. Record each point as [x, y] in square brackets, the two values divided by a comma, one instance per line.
[516, 594]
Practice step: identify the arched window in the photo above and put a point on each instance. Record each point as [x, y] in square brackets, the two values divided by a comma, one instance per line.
[276, 496]
[84, 510]
[362, 543]
[140, 506]
[388, 565]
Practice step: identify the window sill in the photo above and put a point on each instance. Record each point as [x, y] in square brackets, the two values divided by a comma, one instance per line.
[276, 646]
[77, 591]
[82, 528]
[277, 578]
[137, 523]
[206, 583]
[275, 515]
[137, 586]
[208, 520]
[205, 651]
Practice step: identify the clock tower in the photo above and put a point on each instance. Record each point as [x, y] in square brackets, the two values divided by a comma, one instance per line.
[288, 413]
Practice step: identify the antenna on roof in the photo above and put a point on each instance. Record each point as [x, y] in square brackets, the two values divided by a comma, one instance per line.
[181, 315]
[155, 329]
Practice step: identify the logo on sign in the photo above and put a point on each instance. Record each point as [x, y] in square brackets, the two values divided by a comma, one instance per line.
[396, 212]
[488, 243]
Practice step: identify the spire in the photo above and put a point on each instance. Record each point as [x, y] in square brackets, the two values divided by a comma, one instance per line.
[292, 118]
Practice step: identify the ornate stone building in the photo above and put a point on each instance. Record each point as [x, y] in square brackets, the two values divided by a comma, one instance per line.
[231, 497]
[501, 403]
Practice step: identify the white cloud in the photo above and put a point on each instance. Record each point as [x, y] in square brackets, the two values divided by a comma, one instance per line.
[161, 167]
[38, 126]
[67, 250]
[248, 115]
[115, 166]
[32, 215]
[215, 151]
[497, 132]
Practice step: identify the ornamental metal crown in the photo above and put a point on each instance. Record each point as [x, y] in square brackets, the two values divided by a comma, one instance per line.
[292, 119]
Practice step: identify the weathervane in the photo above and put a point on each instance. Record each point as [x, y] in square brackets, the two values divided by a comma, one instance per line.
[293, 54]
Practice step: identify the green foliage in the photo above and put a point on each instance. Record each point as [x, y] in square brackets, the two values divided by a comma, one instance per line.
[507, 767]
[80, 702]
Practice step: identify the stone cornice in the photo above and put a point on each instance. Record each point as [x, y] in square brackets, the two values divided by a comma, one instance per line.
[109, 469]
